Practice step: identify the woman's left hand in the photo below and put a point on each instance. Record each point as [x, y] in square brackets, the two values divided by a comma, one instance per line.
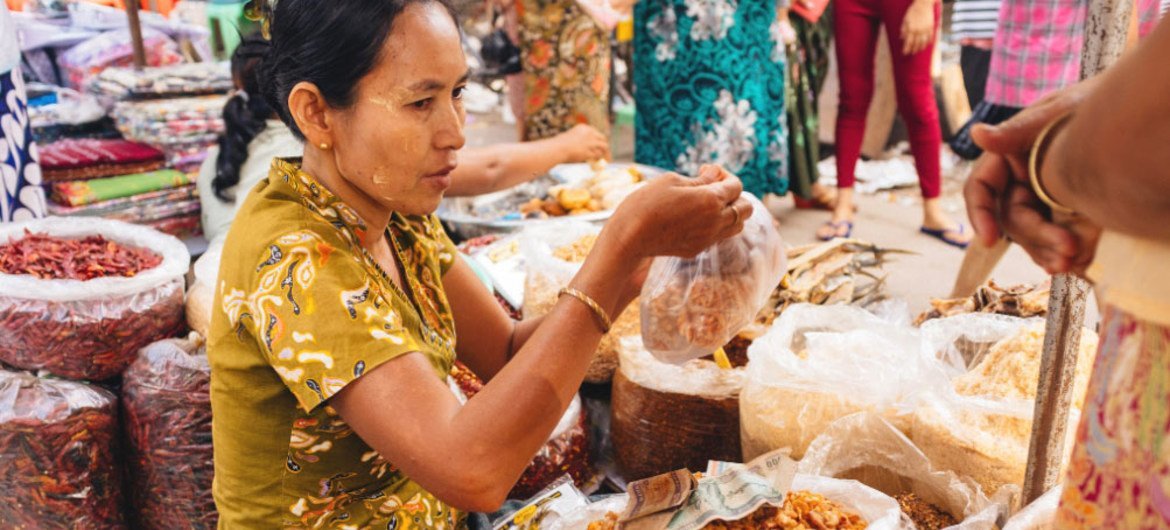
[918, 27]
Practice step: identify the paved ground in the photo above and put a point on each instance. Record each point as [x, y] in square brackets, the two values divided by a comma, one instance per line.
[887, 219]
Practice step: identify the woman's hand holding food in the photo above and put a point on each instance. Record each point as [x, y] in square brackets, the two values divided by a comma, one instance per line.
[583, 143]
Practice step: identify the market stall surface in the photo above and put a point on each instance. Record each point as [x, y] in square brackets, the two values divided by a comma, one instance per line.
[888, 218]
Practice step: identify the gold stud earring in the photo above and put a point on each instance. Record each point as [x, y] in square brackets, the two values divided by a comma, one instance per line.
[324, 146]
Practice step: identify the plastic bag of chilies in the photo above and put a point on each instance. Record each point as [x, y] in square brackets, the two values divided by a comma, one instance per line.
[58, 441]
[166, 405]
[691, 307]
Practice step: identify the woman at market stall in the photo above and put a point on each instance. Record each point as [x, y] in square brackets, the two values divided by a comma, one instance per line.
[254, 135]
[339, 294]
[1095, 200]
[710, 88]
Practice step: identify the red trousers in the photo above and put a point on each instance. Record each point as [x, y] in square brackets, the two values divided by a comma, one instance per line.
[856, 26]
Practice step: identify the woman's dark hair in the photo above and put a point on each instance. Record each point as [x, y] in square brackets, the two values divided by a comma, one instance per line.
[244, 115]
[331, 44]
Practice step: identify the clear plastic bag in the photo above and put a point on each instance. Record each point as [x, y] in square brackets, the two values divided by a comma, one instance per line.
[668, 417]
[691, 307]
[1040, 515]
[820, 363]
[58, 454]
[552, 256]
[980, 424]
[90, 329]
[867, 448]
[166, 404]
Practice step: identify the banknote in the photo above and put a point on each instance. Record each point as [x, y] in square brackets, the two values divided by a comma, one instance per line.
[653, 501]
[734, 491]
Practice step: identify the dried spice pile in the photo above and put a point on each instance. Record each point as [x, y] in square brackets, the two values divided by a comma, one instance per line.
[93, 337]
[567, 453]
[53, 258]
[925, 516]
[57, 445]
[802, 510]
[167, 417]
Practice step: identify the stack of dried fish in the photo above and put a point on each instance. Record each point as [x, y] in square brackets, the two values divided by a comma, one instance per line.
[842, 271]
[1023, 301]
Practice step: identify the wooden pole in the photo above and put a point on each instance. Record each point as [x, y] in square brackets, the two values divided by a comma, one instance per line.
[1106, 29]
[136, 34]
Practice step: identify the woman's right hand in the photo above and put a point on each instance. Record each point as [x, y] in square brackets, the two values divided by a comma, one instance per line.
[676, 216]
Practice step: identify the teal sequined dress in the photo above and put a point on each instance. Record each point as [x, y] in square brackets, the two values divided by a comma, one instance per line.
[709, 78]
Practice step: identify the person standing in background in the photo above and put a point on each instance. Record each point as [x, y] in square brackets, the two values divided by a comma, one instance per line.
[912, 27]
[1037, 50]
[973, 26]
[566, 58]
[808, 66]
[21, 195]
[709, 79]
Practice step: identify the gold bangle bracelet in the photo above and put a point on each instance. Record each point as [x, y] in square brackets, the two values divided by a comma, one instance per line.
[602, 318]
[1034, 168]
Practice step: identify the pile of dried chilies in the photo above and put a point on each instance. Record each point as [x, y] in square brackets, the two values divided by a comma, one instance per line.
[58, 441]
[89, 336]
[166, 407]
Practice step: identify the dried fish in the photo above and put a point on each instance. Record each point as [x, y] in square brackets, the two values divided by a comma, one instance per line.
[1023, 301]
[842, 271]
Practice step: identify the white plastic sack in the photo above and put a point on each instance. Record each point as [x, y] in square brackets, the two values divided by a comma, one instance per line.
[90, 329]
[980, 425]
[691, 307]
[869, 449]
[820, 363]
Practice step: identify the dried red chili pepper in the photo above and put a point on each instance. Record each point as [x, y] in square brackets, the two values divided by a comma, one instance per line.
[58, 440]
[87, 339]
[54, 258]
[567, 453]
[166, 406]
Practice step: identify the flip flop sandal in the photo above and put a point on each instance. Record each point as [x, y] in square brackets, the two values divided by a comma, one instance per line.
[836, 226]
[941, 235]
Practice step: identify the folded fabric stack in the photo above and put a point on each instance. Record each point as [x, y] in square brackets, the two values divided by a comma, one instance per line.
[58, 113]
[181, 80]
[118, 179]
[81, 63]
[183, 128]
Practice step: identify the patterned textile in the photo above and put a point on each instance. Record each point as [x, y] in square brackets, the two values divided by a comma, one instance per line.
[808, 63]
[303, 311]
[710, 81]
[1037, 50]
[1119, 476]
[21, 195]
[566, 61]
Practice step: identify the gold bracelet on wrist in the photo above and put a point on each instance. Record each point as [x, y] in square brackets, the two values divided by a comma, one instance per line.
[1034, 168]
[602, 318]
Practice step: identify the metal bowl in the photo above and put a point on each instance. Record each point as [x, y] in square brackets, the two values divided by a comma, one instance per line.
[496, 213]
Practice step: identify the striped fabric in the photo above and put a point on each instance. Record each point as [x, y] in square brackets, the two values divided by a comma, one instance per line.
[975, 19]
[1037, 50]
